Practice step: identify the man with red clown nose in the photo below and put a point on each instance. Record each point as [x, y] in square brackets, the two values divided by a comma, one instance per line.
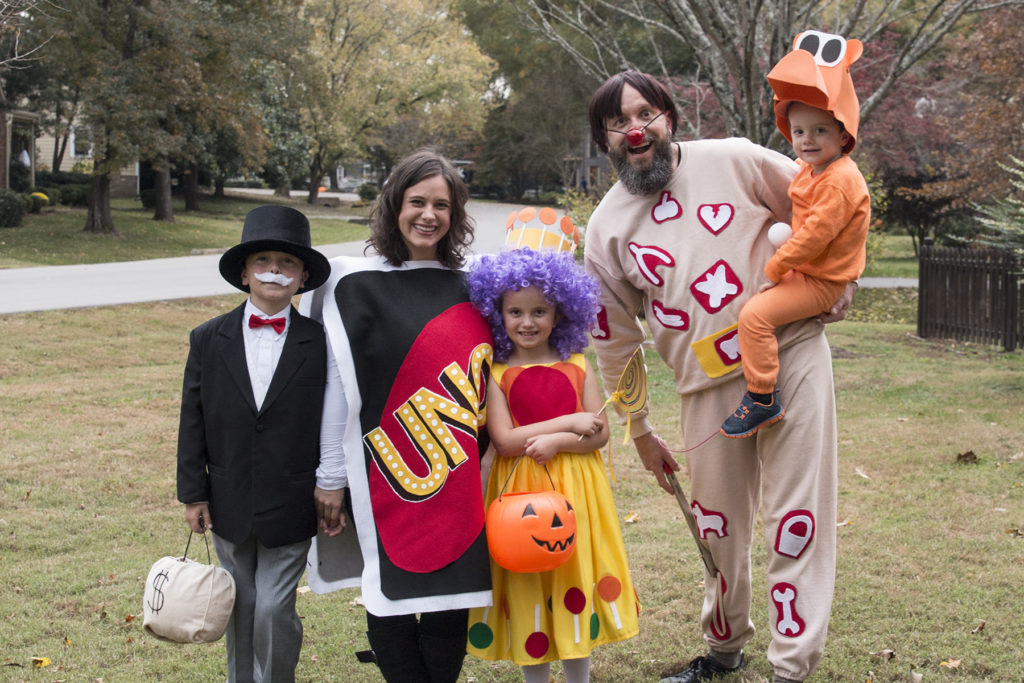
[683, 237]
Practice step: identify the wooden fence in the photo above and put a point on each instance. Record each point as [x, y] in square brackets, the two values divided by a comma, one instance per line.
[974, 295]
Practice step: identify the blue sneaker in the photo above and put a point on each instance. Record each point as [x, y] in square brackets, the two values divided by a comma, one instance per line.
[751, 416]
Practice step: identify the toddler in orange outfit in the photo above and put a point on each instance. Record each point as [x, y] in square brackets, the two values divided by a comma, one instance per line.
[817, 110]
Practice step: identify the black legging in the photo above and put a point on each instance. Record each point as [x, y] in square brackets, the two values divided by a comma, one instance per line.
[438, 637]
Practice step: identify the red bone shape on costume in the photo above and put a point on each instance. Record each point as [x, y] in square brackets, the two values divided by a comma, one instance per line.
[817, 73]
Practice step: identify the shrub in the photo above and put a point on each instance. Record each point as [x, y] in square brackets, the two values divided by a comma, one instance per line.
[148, 198]
[52, 192]
[75, 194]
[53, 178]
[10, 209]
[36, 201]
[367, 192]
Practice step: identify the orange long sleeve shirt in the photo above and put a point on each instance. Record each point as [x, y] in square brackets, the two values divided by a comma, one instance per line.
[831, 215]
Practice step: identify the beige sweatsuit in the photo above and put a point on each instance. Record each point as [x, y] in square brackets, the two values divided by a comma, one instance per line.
[689, 257]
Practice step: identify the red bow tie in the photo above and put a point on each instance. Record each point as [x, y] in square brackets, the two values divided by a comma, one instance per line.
[277, 323]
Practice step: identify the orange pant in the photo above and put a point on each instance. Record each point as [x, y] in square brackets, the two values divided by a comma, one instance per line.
[798, 296]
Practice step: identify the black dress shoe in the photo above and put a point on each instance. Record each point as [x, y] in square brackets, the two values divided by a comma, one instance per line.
[702, 669]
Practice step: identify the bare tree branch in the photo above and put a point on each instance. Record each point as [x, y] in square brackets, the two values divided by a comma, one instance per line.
[735, 42]
[13, 16]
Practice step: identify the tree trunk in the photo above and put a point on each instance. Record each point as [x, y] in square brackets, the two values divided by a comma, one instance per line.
[218, 186]
[162, 185]
[316, 170]
[58, 151]
[283, 190]
[99, 220]
[191, 187]
[333, 176]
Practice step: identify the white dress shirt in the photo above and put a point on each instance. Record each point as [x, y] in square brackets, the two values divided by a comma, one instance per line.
[263, 346]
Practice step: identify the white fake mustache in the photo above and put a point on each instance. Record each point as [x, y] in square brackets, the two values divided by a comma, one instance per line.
[275, 278]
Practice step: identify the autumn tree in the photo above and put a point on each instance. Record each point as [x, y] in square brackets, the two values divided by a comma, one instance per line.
[984, 104]
[735, 43]
[364, 67]
[540, 96]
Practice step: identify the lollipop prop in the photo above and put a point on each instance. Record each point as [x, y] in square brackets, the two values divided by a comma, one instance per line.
[631, 391]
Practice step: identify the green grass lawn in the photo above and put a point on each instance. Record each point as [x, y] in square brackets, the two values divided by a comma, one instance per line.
[931, 489]
[891, 255]
[55, 236]
[931, 498]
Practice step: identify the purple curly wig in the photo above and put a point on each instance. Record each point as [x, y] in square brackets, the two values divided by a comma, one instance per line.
[556, 275]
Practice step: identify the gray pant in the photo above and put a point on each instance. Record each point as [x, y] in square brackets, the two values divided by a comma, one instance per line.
[264, 634]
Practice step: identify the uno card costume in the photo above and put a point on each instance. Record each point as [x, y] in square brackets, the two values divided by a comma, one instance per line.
[689, 257]
[413, 383]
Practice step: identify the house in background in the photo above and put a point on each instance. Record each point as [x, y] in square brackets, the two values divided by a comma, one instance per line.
[78, 156]
[17, 132]
[589, 170]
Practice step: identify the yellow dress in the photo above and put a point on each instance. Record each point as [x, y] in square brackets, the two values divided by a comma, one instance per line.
[563, 613]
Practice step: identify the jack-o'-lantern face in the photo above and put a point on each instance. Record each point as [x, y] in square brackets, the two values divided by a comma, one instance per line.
[531, 532]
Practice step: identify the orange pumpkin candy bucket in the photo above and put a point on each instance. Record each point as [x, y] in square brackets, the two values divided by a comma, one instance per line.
[531, 531]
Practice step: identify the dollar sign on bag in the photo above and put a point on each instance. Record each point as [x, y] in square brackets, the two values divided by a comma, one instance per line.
[158, 582]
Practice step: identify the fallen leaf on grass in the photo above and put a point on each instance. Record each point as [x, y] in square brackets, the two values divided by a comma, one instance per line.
[915, 677]
[860, 472]
[951, 663]
[27, 494]
[302, 590]
[968, 458]
[632, 518]
[1015, 531]
[884, 655]
[40, 662]
[314, 659]
[129, 618]
[67, 641]
[980, 627]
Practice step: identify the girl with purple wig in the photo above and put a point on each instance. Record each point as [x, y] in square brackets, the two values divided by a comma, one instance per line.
[544, 402]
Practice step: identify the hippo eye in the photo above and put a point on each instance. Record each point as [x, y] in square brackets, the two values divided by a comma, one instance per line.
[832, 51]
[809, 43]
[828, 49]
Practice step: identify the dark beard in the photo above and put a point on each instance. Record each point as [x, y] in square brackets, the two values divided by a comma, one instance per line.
[646, 181]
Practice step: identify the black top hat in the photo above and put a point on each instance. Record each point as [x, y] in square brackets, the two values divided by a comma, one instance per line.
[275, 228]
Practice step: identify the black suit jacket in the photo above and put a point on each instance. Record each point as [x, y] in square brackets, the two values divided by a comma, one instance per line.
[257, 469]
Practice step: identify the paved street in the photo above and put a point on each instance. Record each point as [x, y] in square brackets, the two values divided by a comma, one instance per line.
[103, 284]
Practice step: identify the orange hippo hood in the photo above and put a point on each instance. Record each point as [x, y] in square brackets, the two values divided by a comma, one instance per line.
[817, 73]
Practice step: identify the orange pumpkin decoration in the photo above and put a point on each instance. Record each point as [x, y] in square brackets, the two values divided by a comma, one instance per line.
[531, 531]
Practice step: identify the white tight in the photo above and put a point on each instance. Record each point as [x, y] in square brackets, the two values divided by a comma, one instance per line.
[575, 670]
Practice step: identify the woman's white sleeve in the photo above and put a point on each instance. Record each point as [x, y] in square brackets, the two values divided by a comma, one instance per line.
[331, 474]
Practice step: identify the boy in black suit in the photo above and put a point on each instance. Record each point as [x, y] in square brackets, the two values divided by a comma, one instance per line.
[248, 442]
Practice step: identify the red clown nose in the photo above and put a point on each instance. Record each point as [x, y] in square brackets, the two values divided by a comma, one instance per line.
[635, 137]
